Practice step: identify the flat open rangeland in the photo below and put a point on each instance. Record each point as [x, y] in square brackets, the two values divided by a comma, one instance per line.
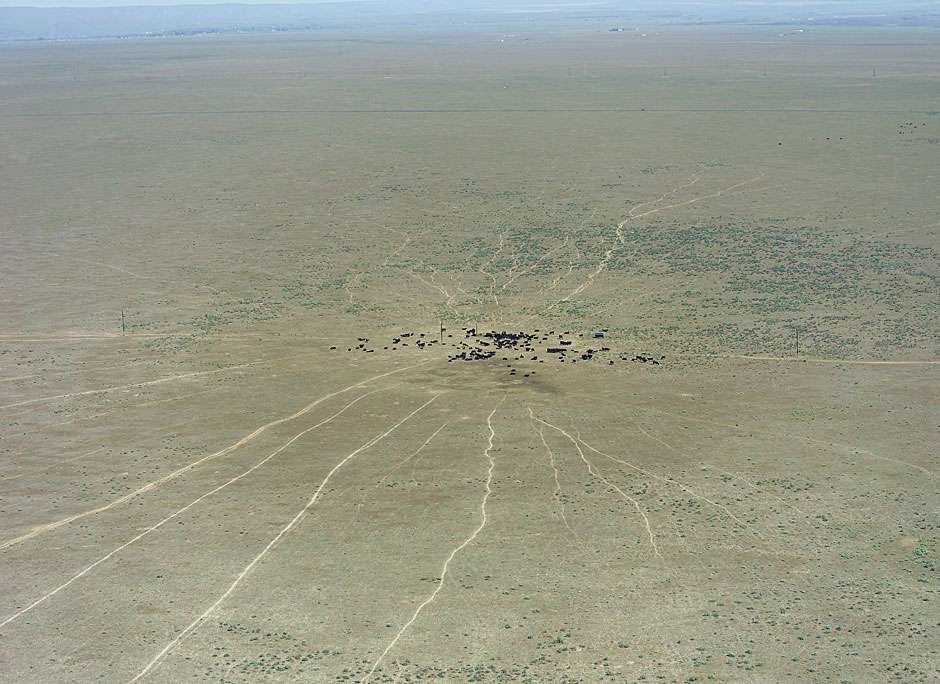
[357, 426]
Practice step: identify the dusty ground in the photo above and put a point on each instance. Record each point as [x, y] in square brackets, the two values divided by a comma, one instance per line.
[214, 494]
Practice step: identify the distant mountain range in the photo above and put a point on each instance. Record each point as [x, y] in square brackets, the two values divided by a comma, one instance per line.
[35, 23]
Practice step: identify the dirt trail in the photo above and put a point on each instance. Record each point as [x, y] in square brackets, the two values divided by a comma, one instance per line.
[52, 465]
[557, 493]
[743, 429]
[114, 410]
[362, 499]
[667, 480]
[139, 276]
[134, 337]
[632, 213]
[631, 216]
[807, 519]
[221, 452]
[453, 554]
[858, 362]
[906, 464]
[185, 508]
[649, 435]
[287, 528]
[99, 369]
[596, 473]
[719, 193]
[159, 381]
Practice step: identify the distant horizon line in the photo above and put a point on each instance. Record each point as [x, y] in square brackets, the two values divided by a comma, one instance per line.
[173, 3]
[872, 7]
[198, 3]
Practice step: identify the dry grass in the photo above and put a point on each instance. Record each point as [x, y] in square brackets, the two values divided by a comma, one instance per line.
[216, 495]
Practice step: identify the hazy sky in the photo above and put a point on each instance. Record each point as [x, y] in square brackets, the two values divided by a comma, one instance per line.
[125, 3]
[690, 5]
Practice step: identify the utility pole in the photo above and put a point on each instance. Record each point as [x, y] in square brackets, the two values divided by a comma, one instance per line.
[797, 341]
[123, 327]
[442, 331]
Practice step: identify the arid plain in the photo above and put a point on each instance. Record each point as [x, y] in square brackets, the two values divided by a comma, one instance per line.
[262, 478]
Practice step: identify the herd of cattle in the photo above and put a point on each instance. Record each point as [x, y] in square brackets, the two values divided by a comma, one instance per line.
[538, 346]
